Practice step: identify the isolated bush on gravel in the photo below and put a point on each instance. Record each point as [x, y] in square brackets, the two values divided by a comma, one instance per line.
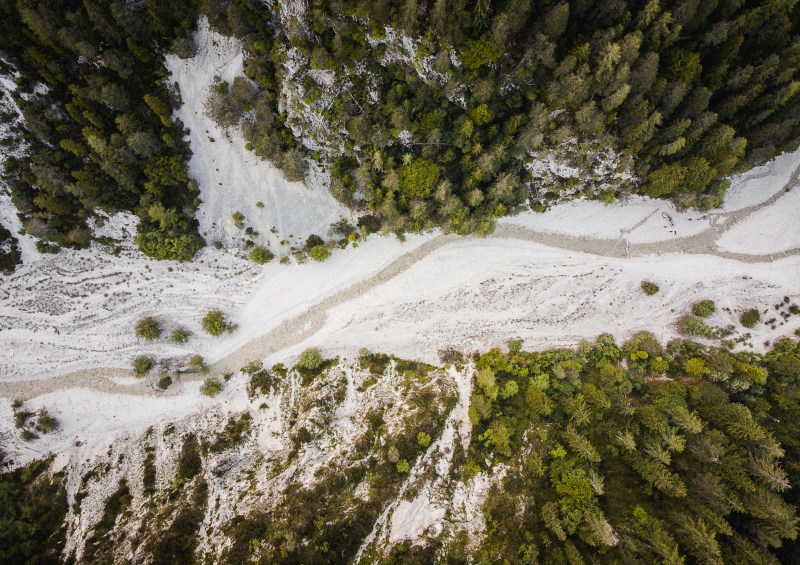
[211, 387]
[750, 318]
[141, 365]
[704, 308]
[179, 335]
[649, 288]
[216, 324]
[148, 328]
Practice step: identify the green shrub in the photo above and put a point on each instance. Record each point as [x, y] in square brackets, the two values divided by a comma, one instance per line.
[197, 364]
[313, 241]
[310, 359]
[179, 335]
[45, 422]
[704, 308]
[403, 466]
[423, 439]
[211, 387]
[369, 224]
[319, 253]
[649, 288]
[141, 365]
[148, 328]
[693, 326]
[750, 318]
[215, 323]
[261, 255]
[164, 382]
[238, 220]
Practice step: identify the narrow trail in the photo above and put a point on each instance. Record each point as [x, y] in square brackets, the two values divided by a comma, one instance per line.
[305, 325]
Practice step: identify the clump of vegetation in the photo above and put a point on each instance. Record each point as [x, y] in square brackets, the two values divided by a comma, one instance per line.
[261, 255]
[602, 450]
[215, 323]
[423, 439]
[33, 506]
[310, 359]
[313, 241]
[211, 387]
[148, 328]
[233, 434]
[704, 308]
[164, 382]
[142, 365]
[197, 364]
[694, 326]
[45, 423]
[649, 288]
[238, 220]
[319, 253]
[750, 318]
[179, 335]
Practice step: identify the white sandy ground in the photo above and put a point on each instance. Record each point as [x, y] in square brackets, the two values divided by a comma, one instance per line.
[232, 179]
[769, 230]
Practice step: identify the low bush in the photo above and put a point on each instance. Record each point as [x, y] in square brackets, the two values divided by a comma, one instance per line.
[180, 335]
[319, 253]
[164, 382]
[215, 323]
[704, 308]
[261, 255]
[694, 326]
[197, 364]
[148, 328]
[238, 220]
[141, 365]
[310, 359]
[313, 241]
[45, 423]
[750, 318]
[649, 288]
[211, 387]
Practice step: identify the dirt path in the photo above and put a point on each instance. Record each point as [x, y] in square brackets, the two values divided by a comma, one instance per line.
[303, 326]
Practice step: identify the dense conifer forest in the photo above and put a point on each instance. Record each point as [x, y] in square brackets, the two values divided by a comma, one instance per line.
[643, 453]
[427, 113]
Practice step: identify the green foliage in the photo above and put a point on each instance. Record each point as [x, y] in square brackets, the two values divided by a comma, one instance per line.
[33, 506]
[215, 323]
[100, 136]
[418, 178]
[649, 288]
[704, 308]
[179, 335]
[261, 255]
[403, 466]
[684, 463]
[319, 253]
[197, 364]
[142, 365]
[423, 439]
[238, 220]
[148, 328]
[750, 318]
[693, 326]
[479, 52]
[211, 387]
[310, 359]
